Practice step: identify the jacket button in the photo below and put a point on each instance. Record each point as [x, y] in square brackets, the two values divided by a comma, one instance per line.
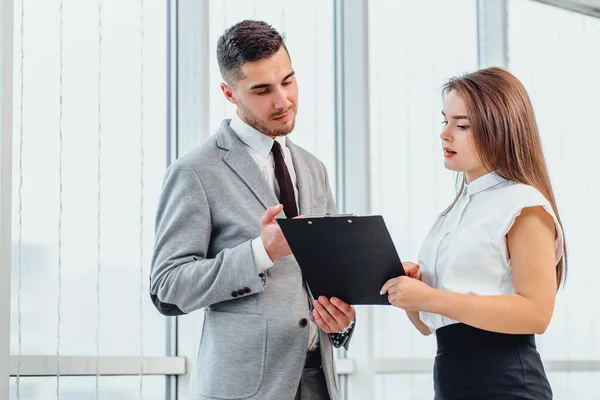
[303, 322]
[247, 290]
[241, 292]
[234, 293]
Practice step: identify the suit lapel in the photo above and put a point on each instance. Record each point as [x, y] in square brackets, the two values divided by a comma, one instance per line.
[240, 161]
[304, 182]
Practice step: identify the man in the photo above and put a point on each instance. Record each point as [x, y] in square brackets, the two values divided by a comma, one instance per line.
[219, 247]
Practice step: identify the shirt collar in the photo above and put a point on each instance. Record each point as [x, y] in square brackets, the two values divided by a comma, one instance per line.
[482, 183]
[254, 138]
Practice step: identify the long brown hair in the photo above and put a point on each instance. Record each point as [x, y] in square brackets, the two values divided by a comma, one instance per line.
[505, 133]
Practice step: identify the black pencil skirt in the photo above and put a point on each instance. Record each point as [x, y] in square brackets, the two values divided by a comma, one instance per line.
[475, 364]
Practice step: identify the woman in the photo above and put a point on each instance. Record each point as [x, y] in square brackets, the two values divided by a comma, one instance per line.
[491, 264]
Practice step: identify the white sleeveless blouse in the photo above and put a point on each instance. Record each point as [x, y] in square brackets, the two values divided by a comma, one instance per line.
[466, 250]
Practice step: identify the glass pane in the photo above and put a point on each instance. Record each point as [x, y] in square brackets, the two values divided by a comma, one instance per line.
[415, 47]
[419, 386]
[130, 166]
[84, 387]
[414, 386]
[556, 55]
[309, 30]
[575, 385]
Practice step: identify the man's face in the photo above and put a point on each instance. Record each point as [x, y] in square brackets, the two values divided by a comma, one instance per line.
[267, 97]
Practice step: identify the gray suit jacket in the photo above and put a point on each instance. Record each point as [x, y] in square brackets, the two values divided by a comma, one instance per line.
[253, 345]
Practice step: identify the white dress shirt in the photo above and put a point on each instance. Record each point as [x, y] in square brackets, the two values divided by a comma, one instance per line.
[259, 146]
[466, 249]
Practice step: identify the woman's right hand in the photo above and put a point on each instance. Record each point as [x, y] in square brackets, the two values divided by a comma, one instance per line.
[411, 270]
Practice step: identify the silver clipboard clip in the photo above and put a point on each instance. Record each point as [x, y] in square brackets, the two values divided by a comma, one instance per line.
[329, 216]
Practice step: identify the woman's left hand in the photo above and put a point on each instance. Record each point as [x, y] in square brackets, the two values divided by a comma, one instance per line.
[408, 293]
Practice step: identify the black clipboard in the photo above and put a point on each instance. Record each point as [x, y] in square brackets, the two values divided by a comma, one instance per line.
[343, 256]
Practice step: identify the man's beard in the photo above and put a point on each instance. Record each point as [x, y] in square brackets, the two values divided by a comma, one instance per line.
[259, 125]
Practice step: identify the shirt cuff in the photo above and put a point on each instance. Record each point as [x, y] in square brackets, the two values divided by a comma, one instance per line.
[343, 338]
[346, 329]
[261, 258]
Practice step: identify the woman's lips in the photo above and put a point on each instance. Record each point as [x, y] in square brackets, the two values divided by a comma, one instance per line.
[449, 153]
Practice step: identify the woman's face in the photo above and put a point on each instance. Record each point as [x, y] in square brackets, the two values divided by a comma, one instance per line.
[457, 139]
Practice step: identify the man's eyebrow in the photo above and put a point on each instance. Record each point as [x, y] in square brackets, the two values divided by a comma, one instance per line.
[288, 76]
[266, 85]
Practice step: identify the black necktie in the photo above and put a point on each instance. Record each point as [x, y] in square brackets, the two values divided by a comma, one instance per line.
[286, 187]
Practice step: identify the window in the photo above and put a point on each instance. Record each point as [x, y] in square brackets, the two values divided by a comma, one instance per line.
[555, 54]
[84, 387]
[415, 48]
[89, 160]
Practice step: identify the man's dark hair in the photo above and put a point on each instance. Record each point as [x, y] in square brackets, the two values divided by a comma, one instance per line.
[246, 41]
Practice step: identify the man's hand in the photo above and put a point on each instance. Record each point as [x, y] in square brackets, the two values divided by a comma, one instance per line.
[271, 236]
[333, 316]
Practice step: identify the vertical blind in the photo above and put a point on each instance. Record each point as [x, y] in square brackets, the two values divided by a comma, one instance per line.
[556, 55]
[90, 154]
